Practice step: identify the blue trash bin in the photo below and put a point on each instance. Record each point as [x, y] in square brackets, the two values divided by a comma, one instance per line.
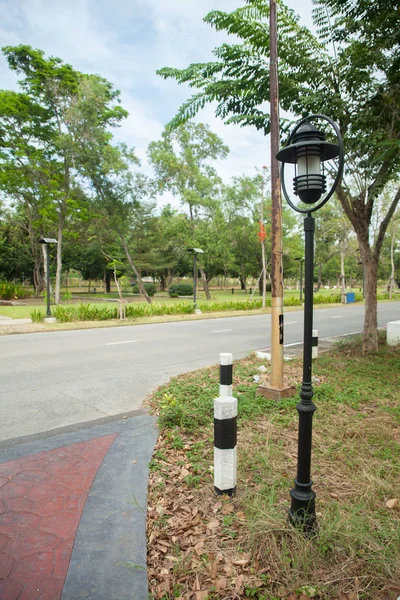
[350, 297]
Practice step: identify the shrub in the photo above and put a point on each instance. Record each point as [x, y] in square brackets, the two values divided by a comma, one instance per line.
[149, 287]
[245, 305]
[292, 301]
[36, 315]
[10, 291]
[180, 289]
[146, 310]
[64, 314]
[383, 296]
[322, 299]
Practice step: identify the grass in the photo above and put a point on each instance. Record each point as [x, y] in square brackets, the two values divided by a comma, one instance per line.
[245, 547]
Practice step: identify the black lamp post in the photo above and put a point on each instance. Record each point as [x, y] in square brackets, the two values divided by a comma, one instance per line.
[195, 252]
[46, 242]
[307, 150]
[301, 277]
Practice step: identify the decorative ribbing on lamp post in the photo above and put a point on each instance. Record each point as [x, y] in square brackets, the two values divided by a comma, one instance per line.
[225, 431]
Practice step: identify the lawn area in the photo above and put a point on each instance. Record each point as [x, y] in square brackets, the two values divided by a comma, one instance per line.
[217, 296]
[205, 547]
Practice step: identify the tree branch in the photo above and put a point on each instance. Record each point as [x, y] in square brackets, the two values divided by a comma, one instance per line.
[385, 223]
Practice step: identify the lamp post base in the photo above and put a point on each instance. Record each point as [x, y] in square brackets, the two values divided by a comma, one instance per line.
[50, 320]
[302, 511]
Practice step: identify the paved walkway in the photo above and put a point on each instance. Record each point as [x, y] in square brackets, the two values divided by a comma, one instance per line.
[73, 512]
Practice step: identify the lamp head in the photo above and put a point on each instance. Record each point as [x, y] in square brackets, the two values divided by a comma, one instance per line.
[308, 150]
[44, 240]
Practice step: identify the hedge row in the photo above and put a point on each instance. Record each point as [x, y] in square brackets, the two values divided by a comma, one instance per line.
[94, 312]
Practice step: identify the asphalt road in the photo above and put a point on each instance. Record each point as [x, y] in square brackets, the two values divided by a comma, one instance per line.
[52, 380]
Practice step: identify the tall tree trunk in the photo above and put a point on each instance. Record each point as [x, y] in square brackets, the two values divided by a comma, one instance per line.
[392, 283]
[169, 278]
[61, 222]
[370, 266]
[205, 283]
[107, 281]
[319, 281]
[39, 281]
[134, 269]
[359, 213]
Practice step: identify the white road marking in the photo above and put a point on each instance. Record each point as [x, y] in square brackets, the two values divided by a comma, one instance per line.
[337, 317]
[220, 330]
[290, 322]
[117, 343]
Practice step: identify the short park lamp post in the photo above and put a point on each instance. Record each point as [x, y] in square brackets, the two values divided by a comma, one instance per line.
[195, 252]
[308, 150]
[46, 242]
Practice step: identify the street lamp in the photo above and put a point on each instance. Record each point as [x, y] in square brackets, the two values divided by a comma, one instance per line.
[46, 242]
[195, 252]
[307, 149]
[301, 277]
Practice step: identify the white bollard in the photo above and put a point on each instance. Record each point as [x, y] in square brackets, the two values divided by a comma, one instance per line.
[314, 343]
[393, 333]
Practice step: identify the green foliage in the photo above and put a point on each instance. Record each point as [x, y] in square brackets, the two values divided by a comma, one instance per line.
[36, 315]
[322, 299]
[180, 289]
[84, 312]
[381, 296]
[221, 306]
[149, 287]
[12, 291]
[292, 301]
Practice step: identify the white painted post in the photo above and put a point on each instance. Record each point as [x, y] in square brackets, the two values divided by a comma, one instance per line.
[393, 333]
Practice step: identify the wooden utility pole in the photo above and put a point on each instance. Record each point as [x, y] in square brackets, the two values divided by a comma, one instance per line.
[277, 389]
[276, 264]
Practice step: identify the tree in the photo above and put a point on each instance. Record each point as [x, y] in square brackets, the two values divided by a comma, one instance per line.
[181, 163]
[55, 99]
[358, 86]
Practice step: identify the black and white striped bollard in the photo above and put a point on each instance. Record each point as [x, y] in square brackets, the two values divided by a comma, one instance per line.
[314, 353]
[225, 431]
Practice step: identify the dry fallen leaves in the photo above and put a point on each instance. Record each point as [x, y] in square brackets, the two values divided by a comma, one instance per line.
[392, 503]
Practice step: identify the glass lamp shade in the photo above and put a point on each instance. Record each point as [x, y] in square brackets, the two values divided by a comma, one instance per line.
[308, 149]
[309, 184]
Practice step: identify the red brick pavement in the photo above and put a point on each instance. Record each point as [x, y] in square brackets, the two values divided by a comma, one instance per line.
[41, 501]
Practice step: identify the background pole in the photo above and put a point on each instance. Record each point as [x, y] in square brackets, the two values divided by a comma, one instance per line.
[194, 279]
[48, 280]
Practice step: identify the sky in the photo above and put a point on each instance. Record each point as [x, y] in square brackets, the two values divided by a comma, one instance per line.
[126, 41]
